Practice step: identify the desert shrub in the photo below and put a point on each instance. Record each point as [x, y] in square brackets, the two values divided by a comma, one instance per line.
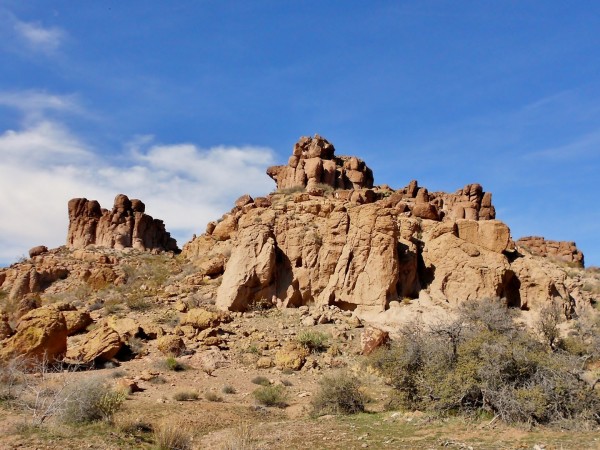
[137, 301]
[314, 341]
[228, 389]
[212, 396]
[91, 399]
[260, 380]
[274, 395]
[290, 190]
[339, 394]
[504, 371]
[171, 363]
[185, 395]
[172, 436]
[547, 324]
[242, 438]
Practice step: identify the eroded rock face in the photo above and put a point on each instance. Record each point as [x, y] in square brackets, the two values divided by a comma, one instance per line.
[313, 162]
[126, 225]
[559, 250]
[361, 247]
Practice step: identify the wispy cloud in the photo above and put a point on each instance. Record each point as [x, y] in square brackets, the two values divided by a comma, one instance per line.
[44, 164]
[580, 147]
[31, 36]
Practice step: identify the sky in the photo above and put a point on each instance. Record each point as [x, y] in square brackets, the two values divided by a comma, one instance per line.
[184, 104]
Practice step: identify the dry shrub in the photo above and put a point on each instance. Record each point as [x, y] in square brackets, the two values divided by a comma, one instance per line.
[339, 394]
[242, 438]
[271, 396]
[185, 395]
[313, 341]
[172, 436]
[487, 367]
[260, 380]
[91, 399]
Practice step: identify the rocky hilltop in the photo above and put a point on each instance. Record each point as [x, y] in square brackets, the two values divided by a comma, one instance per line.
[327, 236]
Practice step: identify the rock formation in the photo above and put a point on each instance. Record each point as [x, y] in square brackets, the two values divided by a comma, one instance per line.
[361, 247]
[125, 226]
[563, 251]
[313, 162]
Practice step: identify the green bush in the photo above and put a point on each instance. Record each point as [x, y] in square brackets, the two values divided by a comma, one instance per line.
[271, 395]
[339, 394]
[171, 363]
[472, 366]
[90, 399]
[313, 341]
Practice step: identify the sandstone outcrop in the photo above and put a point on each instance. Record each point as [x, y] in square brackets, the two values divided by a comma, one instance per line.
[313, 163]
[126, 225]
[40, 336]
[563, 251]
[360, 247]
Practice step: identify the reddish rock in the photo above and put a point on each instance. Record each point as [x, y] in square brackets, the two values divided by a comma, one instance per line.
[38, 250]
[125, 226]
[563, 251]
[371, 339]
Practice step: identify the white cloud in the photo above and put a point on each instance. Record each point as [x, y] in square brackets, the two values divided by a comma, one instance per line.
[38, 38]
[29, 38]
[43, 165]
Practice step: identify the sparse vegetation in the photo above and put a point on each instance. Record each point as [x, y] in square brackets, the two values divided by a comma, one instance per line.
[171, 363]
[339, 394]
[172, 436]
[89, 400]
[261, 381]
[473, 365]
[185, 395]
[290, 190]
[228, 389]
[314, 341]
[212, 396]
[272, 395]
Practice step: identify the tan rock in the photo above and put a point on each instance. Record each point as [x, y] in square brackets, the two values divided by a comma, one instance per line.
[492, 235]
[170, 345]
[250, 270]
[291, 356]
[201, 319]
[40, 335]
[77, 321]
[99, 345]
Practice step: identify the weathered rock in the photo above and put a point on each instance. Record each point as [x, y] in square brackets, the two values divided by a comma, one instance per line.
[492, 235]
[77, 321]
[371, 339]
[313, 162]
[40, 335]
[250, 270]
[125, 226]
[99, 345]
[559, 250]
[38, 250]
[291, 356]
[170, 345]
[201, 319]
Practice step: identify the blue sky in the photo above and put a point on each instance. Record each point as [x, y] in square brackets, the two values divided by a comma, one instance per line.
[184, 103]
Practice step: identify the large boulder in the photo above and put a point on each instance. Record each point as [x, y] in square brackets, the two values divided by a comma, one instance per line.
[40, 336]
[562, 251]
[99, 345]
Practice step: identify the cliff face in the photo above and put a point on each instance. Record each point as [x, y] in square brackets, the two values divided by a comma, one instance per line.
[126, 225]
[334, 241]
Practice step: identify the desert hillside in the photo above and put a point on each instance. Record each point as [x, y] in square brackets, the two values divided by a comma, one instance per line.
[375, 317]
